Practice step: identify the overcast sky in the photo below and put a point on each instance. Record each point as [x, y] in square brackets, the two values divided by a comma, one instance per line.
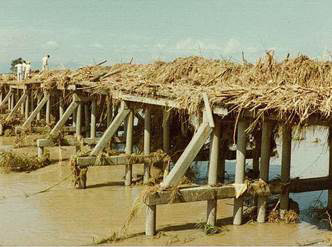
[80, 32]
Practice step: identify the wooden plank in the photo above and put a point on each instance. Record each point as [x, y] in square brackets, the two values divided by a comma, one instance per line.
[208, 110]
[188, 156]
[108, 134]
[204, 193]
[115, 160]
[32, 116]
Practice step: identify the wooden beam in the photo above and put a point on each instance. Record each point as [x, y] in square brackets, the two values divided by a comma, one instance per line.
[7, 97]
[208, 110]
[187, 157]
[166, 134]
[206, 192]
[63, 120]
[16, 107]
[108, 134]
[32, 116]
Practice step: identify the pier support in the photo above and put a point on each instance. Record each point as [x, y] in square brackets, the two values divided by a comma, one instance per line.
[213, 172]
[38, 101]
[129, 147]
[48, 111]
[150, 220]
[256, 153]
[188, 156]
[166, 144]
[147, 142]
[86, 119]
[78, 119]
[36, 111]
[16, 107]
[61, 107]
[93, 120]
[264, 168]
[285, 166]
[239, 169]
[108, 134]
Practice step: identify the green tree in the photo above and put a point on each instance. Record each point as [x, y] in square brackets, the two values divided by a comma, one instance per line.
[14, 62]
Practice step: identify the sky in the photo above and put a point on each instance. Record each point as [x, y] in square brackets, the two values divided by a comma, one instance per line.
[84, 32]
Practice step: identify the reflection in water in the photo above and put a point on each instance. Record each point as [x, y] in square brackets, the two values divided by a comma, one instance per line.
[72, 217]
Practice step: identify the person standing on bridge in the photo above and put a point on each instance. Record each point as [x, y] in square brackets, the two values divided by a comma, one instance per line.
[19, 71]
[45, 62]
[27, 70]
[23, 69]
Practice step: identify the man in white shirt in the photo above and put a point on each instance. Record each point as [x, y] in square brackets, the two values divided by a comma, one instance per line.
[45, 62]
[27, 70]
[23, 70]
[19, 71]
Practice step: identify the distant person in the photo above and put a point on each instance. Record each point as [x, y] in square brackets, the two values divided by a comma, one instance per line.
[19, 71]
[45, 62]
[24, 65]
[27, 71]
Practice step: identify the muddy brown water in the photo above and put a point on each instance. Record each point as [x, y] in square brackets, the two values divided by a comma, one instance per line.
[66, 216]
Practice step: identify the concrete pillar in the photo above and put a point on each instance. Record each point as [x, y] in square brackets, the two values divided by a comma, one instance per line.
[78, 119]
[61, 107]
[264, 168]
[150, 220]
[129, 146]
[285, 166]
[239, 169]
[38, 100]
[93, 120]
[27, 107]
[147, 142]
[213, 172]
[48, 111]
[22, 107]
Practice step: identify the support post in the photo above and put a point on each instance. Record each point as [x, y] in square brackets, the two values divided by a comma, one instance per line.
[93, 120]
[108, 134]
[66, 115]
[150, 220]
[285, 166]
[36, 111]
[26, 110]
[264, 168]
[256, 154]
[147, 142]
[239, 169]
[78, 119]
[86, 119]
[15, 108]
[166, 131]
[61, 107]
[213, 171]
[129, 146]
[108, 111]
[188, 156]
[38, 101]
[48, 110]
